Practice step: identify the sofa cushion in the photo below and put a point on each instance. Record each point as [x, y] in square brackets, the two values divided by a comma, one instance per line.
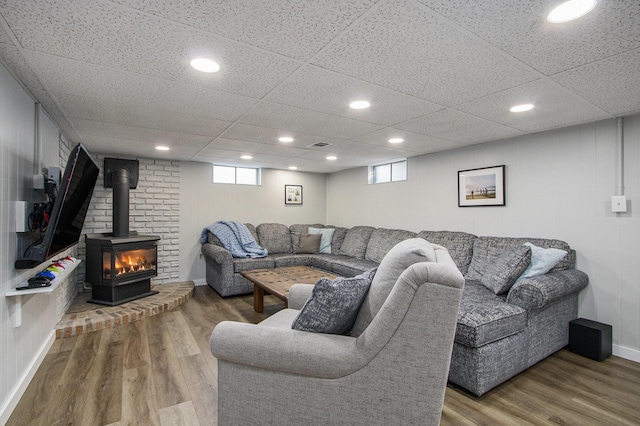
[542, 260]
[459, 245]
[510, 265]
[274, 237]
[484, 317]
[327, 236]
[487, 249]
[382, 240]
[241, 264]
[338, 237]
[334, 304]
[282, 260]
[309, 243]
[355, 242]
[299, 229]
[399, 258]
[347, 266]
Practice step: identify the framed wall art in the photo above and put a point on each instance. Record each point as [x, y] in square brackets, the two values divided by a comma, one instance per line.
[293, 194]
[481, 187]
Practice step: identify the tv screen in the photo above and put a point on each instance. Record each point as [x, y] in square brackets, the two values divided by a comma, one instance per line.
[69, 210]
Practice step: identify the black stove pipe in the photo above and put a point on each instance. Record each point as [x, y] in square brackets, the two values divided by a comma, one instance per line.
[121, 182]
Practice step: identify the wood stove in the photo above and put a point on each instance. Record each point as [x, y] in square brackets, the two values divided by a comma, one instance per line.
[120, 264]
[120, 268]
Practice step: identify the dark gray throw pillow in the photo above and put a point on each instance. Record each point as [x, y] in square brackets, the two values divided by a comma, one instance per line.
[511, 263]
[333, 305]
[309, 243]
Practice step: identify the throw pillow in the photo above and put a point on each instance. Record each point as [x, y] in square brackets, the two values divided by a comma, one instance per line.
[333, 305]
[309, 243]
[399, 258]
[501, 275]
[542, 260]
[325, 241]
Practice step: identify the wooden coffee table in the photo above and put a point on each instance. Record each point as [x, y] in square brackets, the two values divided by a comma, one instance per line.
[278, 281]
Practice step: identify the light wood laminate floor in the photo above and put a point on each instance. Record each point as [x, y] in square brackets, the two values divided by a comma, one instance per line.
[159, 371]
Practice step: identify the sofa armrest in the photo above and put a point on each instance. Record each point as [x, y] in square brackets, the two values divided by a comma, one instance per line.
[216, 253]
[286, 350]
[537, 292]
[299, 294]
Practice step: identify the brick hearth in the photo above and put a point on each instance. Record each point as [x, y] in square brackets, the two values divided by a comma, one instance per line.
[83, 317]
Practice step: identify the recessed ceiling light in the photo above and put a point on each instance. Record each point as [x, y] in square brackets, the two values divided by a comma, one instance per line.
[285, 139]
[293, 168]
[521, 108]
[162, 148]
[570, 10]
[396, 140]
[205, 65]
[246, 157]
[359, 104]
[332, 157]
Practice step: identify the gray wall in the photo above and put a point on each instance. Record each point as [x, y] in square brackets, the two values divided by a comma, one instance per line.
[559, 185]
[22, 349]
[203, 202]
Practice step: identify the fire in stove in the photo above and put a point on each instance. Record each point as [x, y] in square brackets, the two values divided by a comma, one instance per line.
[129, 262]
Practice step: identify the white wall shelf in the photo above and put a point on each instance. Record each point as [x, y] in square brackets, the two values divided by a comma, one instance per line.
[15, 296]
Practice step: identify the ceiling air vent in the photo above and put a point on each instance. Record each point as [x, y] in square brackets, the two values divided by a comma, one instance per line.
[318, 145]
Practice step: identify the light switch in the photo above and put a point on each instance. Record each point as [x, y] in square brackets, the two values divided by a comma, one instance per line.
[619, 203]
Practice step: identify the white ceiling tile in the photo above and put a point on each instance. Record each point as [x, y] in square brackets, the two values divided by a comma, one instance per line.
[131, 115]
[412, 141]
[459, 127]
[554, 107]
[106, 34]
[613, 84]
[145, 149]
[283, 117]
[266, 135]
[136, 134]
[293, 28]
[102, 84]
[325, 91]
[520, 28]
[403, 46]
[256, 148]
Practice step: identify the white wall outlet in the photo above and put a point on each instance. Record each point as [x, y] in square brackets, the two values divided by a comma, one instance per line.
[619, 204]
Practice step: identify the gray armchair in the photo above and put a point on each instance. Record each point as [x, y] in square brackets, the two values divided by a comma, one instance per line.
[394, 372]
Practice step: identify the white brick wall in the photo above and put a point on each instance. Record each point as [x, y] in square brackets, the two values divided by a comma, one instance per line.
[68, 289]
[153, 210]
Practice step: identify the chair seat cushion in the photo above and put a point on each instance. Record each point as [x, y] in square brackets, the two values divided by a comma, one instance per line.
[485, 317]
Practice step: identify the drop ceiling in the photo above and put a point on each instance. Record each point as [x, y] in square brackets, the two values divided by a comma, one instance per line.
[441, 74]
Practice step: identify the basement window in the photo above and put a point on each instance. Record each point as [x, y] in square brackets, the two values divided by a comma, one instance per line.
[236, 175]
[389, 172]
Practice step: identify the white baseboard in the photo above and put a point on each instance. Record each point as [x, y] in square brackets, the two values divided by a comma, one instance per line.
[626, 353]
[20, 387]
[200, 281]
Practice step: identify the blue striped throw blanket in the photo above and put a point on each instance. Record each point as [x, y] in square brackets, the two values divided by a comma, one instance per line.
[235, 237]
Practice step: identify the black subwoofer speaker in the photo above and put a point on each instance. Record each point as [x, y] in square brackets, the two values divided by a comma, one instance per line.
[590, 338]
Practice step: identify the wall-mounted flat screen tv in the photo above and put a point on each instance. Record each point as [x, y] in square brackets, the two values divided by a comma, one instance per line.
[69, 210]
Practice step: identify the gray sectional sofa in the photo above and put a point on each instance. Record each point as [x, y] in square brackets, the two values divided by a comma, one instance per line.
[497, 336]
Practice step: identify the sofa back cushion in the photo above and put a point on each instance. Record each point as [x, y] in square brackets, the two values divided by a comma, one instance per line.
[355, 242]
[274, 237]
[299, 229]
[459, 245]
[338, 237]
[382, 240]
[486, 251]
